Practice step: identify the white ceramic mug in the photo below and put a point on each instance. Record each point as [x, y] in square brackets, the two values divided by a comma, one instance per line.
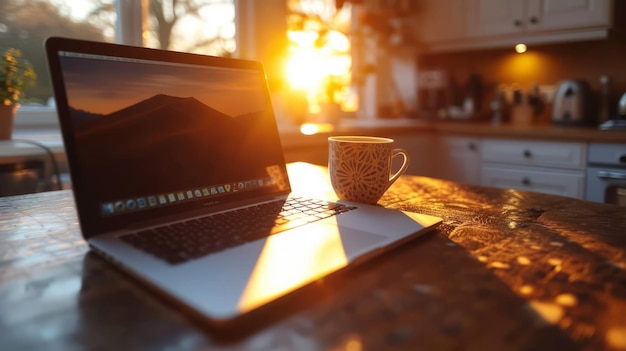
[360, 167]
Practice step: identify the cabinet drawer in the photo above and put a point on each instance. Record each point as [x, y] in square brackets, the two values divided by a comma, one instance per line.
[565, 183]
[567, 155]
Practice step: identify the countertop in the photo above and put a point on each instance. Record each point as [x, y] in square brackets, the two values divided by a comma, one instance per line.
[505, 270]
[545, 131]
[292, 137]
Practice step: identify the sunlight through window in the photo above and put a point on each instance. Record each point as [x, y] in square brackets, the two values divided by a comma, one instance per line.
[319, 60]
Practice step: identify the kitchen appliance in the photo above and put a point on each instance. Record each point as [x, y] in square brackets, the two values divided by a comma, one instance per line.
[572, 104]
[621, 107]
[619, 121]
[432, 93]
[606, 173]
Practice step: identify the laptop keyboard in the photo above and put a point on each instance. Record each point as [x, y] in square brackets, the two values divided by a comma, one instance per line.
[179, 242]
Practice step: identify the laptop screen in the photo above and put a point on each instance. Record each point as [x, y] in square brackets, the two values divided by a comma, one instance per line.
[151, 133]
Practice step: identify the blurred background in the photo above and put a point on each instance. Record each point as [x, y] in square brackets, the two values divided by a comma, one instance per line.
[452, 81]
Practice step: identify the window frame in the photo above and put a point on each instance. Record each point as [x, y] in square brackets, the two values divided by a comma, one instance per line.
[131, 21]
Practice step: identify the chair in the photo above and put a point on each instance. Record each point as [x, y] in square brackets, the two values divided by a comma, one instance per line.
[21, 177]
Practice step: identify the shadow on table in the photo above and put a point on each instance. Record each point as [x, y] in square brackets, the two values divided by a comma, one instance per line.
[429, 293]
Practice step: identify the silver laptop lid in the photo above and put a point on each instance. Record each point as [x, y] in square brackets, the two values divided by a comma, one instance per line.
[152, 133]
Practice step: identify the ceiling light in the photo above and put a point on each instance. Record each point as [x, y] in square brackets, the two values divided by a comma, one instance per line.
[520, 48]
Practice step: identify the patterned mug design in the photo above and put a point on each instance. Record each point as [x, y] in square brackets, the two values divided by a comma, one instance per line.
[360, 167]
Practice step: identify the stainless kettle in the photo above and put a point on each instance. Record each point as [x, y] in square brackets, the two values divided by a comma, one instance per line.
[572, 103]
[621, 107]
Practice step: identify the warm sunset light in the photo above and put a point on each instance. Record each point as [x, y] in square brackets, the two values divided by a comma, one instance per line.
[523, 69]
[308, 181]
[290, 261]
[314, 128]
[319, 61]
[520, 48]
[304, 71]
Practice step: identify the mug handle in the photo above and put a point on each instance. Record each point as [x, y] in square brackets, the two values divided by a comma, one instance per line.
[405, 164]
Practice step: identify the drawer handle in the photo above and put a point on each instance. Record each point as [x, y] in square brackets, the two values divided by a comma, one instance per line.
[527, 154]
[534, 20]
[517, 23]
[622, 159]
[526, 181]
[472, 146]
[611, 175]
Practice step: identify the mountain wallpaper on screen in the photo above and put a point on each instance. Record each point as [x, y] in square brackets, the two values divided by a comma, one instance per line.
[168, 143]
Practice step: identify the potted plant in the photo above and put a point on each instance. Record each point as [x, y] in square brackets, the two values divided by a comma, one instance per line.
[16, 75]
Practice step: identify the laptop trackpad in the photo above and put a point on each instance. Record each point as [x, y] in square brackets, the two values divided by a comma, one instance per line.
[355, 242]
[296, 257]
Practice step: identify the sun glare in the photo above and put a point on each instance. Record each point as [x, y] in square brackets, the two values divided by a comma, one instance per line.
[314, 128]
[290, 261]
[304, 70]
[319, 61]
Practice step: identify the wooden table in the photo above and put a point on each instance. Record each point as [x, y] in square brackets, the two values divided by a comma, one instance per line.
[506, 270]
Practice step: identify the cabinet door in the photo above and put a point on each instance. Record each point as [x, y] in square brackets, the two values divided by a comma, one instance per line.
[495, 17]
[563, 183]
[420, 148]
[567, 14]
[569, 155]
[439, 20]
[459, 159]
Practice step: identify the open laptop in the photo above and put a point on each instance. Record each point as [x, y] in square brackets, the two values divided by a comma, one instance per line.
[168, 147]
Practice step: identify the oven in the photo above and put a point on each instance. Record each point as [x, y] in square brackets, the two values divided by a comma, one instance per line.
[606, 173]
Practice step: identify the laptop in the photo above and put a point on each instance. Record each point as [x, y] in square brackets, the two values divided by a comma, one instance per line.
[179, 179]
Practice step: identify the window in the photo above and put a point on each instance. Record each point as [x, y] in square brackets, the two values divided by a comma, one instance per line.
[200, 26]
[319, 59]
[203, 27]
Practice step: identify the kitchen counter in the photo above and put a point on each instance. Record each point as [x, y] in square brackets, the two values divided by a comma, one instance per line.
[292, 137]
[505, 270]
[313, 148]
[479, 129]
[537, 131]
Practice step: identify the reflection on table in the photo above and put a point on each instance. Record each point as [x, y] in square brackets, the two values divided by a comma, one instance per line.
[506, 270]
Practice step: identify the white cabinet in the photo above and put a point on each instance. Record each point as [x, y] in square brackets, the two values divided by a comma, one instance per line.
[496, 17]
[420, 147]
[458, 159]
[565, 183]
[567, 155]
[492, 17]
[547, 167]
[567, 14]
[440, 21]
[453, 25]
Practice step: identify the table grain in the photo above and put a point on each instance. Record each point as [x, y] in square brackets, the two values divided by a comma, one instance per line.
[505, 270]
